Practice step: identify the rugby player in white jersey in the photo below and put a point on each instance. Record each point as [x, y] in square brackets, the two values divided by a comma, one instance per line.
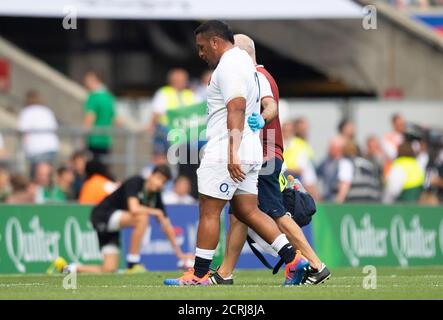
[233, 156]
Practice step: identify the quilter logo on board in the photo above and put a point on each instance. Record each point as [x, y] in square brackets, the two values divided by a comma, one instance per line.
[31, 242]
[402, 239]
[35, 245]
[363, 240]
[80, 244]
[412, 241]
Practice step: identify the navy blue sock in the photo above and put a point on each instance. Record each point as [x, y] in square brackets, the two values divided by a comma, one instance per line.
[201, 266]
[287, 253]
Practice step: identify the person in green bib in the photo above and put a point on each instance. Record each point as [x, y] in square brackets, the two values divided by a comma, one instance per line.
[173, 96]
[404, 182]
[60, 192]
[99, 114]
[173, 107]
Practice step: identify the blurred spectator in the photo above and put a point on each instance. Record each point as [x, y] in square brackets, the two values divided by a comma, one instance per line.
[421, 150]
[406, 177]
[328, 170]
[172, 96]
[98, 185]
[358, 179]
[200, 89]
[99, 114]
[60, 192]
[392, 140]
[437, 177]
[374, 154]
[42, 180]
[78, 164]
[346, 133]
[288, 133]
[299, 157]
[38, 126]
[3, 152]
[181, 192]
[346, 130]
[23, 191]
[422, 4]
[5, 184]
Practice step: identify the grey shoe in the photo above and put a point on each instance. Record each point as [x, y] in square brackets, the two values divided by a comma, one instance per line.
[216, 279]
[313, 276]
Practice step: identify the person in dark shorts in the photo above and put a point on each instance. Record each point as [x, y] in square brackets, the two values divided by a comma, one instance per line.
[130, 205]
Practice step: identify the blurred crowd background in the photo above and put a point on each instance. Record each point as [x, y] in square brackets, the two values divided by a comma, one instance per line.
[404, 164]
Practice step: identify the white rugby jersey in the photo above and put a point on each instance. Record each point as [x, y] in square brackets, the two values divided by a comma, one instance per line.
[235, 76]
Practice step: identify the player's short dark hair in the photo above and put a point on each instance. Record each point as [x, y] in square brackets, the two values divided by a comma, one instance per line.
[217, 28]
[164, 170]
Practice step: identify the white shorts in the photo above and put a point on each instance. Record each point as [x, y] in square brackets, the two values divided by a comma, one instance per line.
[214, 180]
[109, 249]
[114, 221]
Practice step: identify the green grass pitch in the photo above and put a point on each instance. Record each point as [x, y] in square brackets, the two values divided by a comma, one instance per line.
[346, 283]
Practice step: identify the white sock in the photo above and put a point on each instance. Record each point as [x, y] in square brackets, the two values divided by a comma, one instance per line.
[72, 268]
[133, 258]
[279, 242]
[228, 277]
[204, 253]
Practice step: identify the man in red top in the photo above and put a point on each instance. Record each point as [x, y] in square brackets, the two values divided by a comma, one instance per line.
[269, 193]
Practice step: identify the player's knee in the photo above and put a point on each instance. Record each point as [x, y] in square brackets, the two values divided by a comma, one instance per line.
[245, 216]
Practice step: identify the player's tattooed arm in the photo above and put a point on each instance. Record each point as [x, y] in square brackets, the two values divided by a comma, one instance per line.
[236, 120]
